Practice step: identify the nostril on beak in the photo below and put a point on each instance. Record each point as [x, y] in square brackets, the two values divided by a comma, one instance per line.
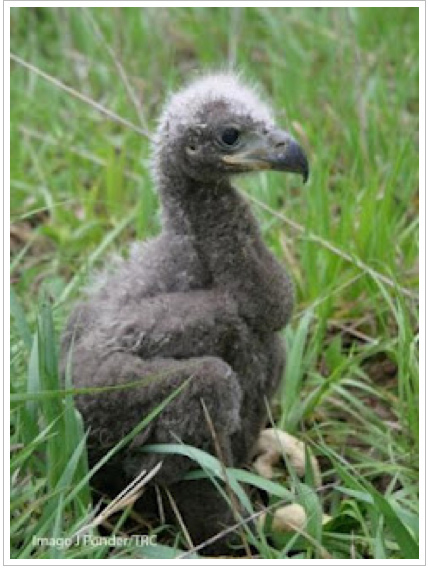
[280, 144]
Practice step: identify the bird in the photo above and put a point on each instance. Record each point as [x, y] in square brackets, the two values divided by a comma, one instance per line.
[199, 308]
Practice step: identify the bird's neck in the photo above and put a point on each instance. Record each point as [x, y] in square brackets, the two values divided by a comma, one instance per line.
[206, 212]
[226, 238]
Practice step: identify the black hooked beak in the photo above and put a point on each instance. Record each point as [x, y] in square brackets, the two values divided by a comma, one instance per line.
[287, 155]
[273, 150]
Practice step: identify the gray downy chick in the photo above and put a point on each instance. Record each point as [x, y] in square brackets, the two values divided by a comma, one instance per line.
[202, 303]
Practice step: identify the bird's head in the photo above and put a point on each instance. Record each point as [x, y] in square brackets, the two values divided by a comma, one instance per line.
[217, 127]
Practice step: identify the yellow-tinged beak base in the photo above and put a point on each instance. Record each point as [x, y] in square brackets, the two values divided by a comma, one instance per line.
[276, 150]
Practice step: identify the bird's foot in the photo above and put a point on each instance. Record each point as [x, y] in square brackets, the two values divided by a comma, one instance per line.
[273, 448]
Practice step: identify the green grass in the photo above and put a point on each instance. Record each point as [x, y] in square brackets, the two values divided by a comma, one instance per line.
[345, 82]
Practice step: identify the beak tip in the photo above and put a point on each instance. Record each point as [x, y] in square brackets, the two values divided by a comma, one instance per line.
[305, 174]
[297, 160]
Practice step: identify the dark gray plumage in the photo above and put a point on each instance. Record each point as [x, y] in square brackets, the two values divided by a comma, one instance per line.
[206, 300]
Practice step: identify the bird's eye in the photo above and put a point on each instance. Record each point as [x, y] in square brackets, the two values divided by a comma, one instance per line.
[230, 136]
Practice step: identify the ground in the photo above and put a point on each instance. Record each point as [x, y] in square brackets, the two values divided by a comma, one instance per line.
[345, 83]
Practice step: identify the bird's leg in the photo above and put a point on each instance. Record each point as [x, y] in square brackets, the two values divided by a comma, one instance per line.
[267, 371]
[112, 414]
[209, 387]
